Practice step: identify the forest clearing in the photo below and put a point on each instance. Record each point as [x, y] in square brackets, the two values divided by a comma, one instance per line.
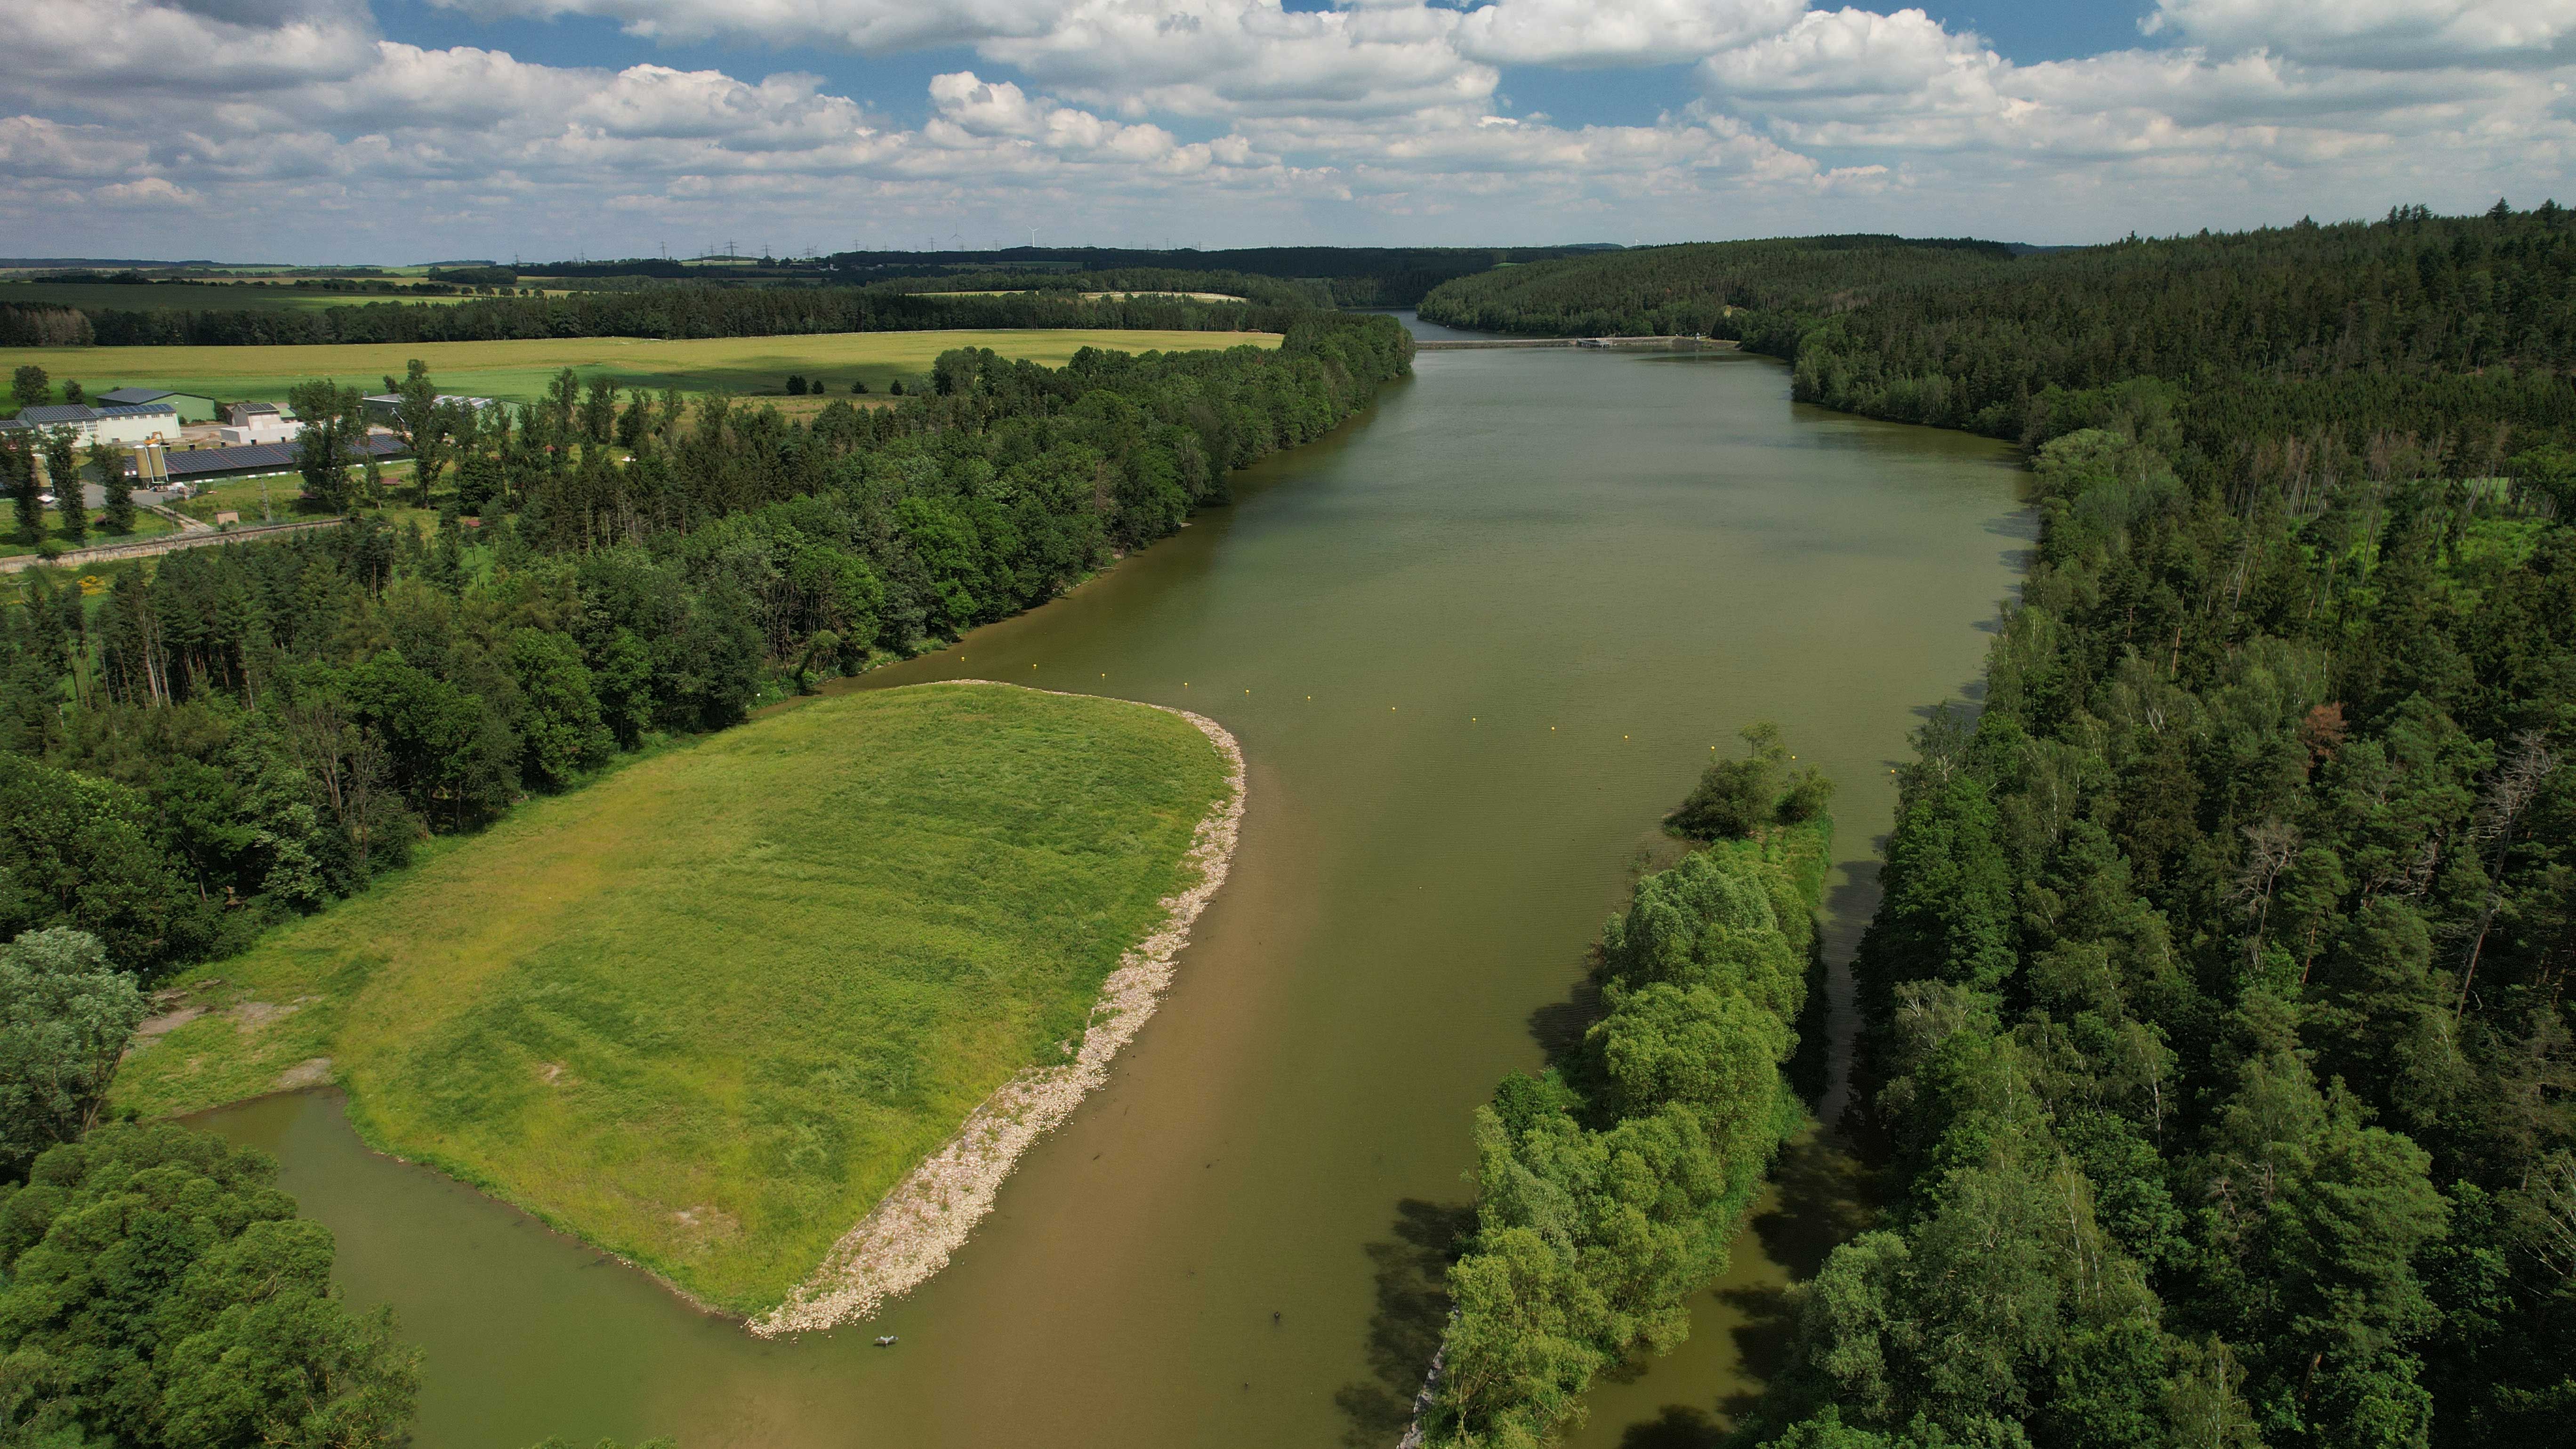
[707, 1011]
[518, 371]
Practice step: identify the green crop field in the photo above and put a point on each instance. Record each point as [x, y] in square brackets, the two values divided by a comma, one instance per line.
[518, 371]
[706, 1011]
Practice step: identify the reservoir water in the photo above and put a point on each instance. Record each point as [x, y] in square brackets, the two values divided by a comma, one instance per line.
[1474, 645]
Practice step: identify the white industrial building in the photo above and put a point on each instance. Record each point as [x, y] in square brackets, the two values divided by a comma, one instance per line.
[385, 408]
[248, 423]
[148, 422]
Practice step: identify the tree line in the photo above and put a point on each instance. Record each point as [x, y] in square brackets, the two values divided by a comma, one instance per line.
[1251, 287]
[1700, 288]
[663, 311]
[1609, 1186]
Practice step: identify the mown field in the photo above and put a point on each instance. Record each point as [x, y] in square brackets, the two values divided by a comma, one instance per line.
[706, 1011]
[519, 371]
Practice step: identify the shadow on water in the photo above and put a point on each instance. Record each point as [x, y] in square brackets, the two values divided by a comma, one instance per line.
[1412, 1264]
[1820, 1197]
[1558, 1026]
[1679, 1426]
[1412, 1270]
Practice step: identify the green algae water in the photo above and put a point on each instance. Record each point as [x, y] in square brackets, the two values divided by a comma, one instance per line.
[1474, 645]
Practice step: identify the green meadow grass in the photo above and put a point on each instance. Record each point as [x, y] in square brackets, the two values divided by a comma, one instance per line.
[146, 525]
[706, 1011]
[519, 371]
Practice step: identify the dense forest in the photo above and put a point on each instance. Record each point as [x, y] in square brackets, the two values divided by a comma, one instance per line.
[1700, 288]
[248, 731]
[852, 292]
[1354, 276]
[2217, 1056]
[672, 311]
[2217, 1000]
[2460, 331]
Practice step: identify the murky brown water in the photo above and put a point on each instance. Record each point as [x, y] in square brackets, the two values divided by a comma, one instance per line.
[1474, 646]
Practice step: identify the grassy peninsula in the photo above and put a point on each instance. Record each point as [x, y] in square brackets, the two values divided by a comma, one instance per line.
[706, 1012]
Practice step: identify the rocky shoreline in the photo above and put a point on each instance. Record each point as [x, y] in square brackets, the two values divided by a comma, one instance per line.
[912, 1233]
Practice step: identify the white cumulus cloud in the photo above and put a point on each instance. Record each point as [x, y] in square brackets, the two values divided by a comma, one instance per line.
[1234, 121]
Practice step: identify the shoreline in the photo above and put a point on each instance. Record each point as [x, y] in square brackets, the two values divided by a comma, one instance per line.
[920, 1224]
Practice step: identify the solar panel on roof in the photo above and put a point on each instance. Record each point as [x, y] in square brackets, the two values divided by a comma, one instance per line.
[258, 458]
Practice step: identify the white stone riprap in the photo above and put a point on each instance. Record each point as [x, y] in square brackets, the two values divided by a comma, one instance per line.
[912, 1232]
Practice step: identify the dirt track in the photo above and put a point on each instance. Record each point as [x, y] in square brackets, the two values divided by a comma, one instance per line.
[145, 548]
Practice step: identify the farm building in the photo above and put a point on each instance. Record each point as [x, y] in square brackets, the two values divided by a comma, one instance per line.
[257, 422]
[192, 407]
[139, 424]
[197, 466]
[385, 409]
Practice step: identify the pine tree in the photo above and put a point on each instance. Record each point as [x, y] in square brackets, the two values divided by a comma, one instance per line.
[109, 459]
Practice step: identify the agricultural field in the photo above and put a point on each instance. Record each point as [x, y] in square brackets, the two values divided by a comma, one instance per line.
[706, 1011]
[519, 371]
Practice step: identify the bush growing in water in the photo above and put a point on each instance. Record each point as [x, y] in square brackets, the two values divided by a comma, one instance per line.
[1610, 1186]
[1737, 797]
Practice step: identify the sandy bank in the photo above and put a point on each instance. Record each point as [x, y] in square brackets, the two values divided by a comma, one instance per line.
[926, 1218]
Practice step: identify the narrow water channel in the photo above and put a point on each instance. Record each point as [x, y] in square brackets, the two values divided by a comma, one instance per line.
[1474, 645]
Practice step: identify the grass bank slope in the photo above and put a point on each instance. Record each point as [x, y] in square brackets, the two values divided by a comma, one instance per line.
[706, 1012]
[518, 371]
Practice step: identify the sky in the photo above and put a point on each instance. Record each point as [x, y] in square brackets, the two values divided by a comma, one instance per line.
[397, 131]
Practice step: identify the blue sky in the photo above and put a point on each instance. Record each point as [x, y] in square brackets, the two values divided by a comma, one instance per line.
[394, 130]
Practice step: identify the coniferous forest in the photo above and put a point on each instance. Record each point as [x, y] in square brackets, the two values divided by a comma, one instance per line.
[2217, 1050]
